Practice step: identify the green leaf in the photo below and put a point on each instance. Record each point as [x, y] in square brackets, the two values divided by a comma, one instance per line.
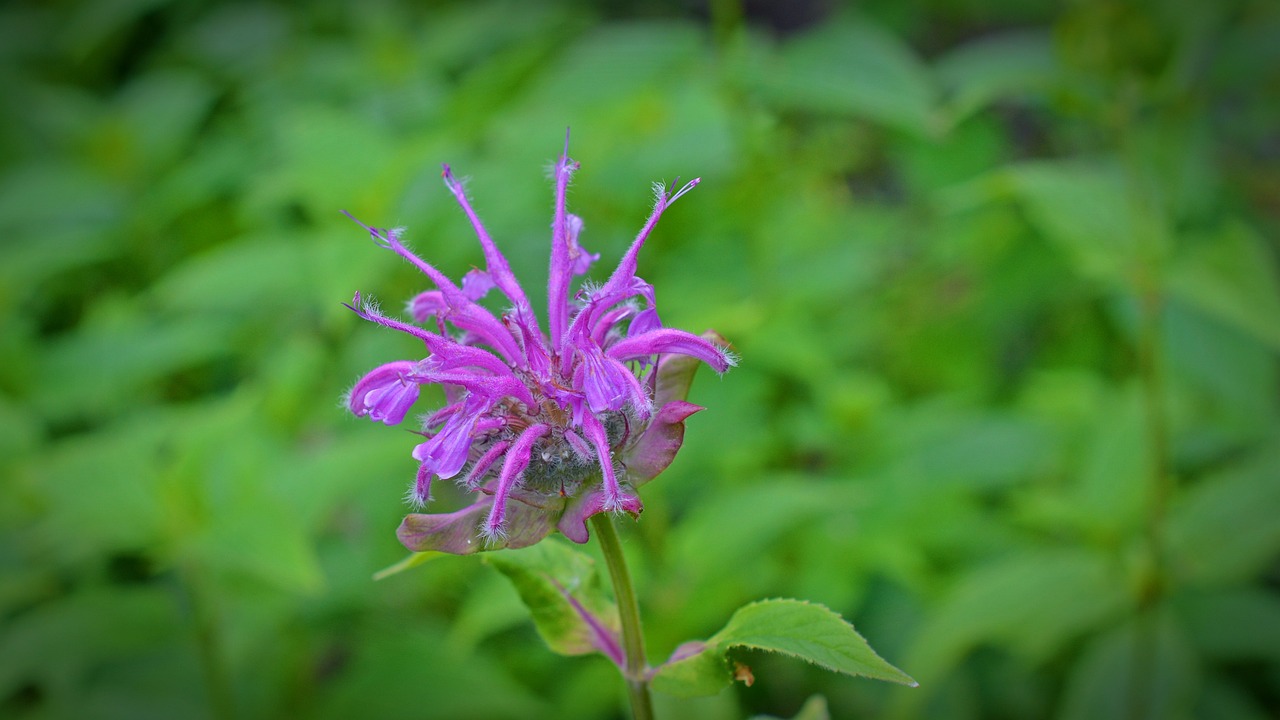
[562, 590]
[855, 68]
[410, 562]
[1082, 207]
[993, 67]
[791, 627]
[1224, 527]
[1112, 680]
[1233, 624]
[1231, 276]
[1034, 603]
[70, 637]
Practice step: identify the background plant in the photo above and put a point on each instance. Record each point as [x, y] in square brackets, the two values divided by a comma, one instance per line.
[1004, 278]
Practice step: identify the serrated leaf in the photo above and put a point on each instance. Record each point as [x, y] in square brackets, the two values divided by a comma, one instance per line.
[808, 631]
[802, 630]
[563, 592]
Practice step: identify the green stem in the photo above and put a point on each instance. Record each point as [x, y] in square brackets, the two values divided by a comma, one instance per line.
[204, 616]
[624, 592]
[1149, 291]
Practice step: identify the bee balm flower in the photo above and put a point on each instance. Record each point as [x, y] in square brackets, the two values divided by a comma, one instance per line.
[550, 428]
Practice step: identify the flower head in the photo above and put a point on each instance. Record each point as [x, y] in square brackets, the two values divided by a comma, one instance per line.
[547, 428]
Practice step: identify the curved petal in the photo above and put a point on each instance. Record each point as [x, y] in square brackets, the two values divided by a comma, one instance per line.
[445, 453]
[561, 271]
[385, 393]
[675, 373]
[517, 459]
[670, 340]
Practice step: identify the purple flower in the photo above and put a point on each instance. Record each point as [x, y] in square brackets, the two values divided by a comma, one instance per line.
[549, 428]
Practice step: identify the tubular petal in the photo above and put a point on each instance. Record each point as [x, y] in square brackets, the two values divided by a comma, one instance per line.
[517, 459]
[384, 394]
[670, 340]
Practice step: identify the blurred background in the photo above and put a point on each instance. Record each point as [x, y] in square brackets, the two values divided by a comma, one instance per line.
[1002, 275]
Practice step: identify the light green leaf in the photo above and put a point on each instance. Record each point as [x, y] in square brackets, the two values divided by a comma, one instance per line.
[855, 68]
[791, 627]
[1084, 208]
[562, 590]
[55, 216]
[155, 119]
[1231, 275]
[994, 67]
[410, 562]
[1224, 527]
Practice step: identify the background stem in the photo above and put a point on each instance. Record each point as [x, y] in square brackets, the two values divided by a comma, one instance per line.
[629, 612]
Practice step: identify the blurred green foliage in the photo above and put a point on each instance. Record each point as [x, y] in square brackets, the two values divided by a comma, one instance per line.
[1003, 277]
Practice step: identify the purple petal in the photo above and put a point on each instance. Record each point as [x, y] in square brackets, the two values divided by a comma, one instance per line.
[579, 445]
[482, 465]
[646, 321]
[455, 532]
[459, 309]
[476, 283]
[607, 321]
[426, 305]
[675, 373]
[580, 259]
[385, 394]
[607, 384]
[499, 271]
[446, 452]
[561, 271]
[440, 415]
[535, 351]
[654, 450]
[623, 278]
[488, 386]
[446, 353]
[517, 460]
[420, 493]
[614, 498]
[670, 340]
